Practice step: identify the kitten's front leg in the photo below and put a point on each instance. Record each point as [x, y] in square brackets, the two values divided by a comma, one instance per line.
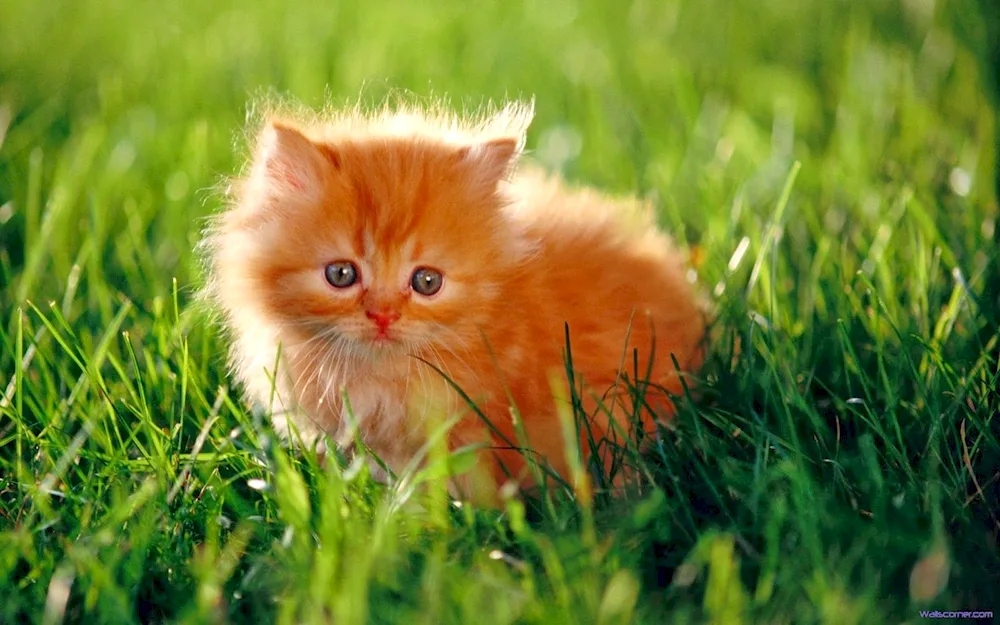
[294, 427]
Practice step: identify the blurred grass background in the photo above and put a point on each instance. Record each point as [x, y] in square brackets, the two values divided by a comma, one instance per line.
[692, 102]
[844, 470]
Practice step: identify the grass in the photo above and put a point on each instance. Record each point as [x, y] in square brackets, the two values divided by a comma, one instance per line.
[829, 164]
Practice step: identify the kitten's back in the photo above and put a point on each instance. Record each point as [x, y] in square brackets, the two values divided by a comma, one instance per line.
[604, 267]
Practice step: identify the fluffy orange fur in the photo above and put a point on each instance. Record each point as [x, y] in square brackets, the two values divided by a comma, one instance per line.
[520, 256]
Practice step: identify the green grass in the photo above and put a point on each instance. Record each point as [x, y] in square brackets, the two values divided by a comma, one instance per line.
[831, 163]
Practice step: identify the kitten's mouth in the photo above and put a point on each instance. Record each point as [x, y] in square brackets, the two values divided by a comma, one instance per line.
[383, 338]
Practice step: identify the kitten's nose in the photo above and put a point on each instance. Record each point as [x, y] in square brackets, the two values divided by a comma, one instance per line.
[382, 318]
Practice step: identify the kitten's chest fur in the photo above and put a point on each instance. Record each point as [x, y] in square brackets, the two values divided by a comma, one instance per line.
[391, 405]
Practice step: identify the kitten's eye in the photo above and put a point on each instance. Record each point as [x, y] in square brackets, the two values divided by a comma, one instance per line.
[341, 274]
[426, 281]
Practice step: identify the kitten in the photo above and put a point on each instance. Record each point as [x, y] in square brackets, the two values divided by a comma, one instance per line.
[381, 250]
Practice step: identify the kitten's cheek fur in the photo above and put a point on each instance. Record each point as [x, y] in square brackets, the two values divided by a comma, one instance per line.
[305, 294]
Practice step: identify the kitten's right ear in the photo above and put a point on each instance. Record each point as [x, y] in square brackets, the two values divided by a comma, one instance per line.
[291, 163]
[492, 159]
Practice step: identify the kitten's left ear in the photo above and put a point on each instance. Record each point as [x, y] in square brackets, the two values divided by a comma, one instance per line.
[492, 159]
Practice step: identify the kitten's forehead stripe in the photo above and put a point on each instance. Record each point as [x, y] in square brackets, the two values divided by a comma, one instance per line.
[368, 248]
[393, 201]
[407, 249]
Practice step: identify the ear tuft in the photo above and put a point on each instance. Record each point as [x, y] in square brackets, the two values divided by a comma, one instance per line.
[493, 158]
[289, 161]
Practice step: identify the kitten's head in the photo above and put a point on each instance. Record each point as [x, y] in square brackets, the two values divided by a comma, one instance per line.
[379, 238]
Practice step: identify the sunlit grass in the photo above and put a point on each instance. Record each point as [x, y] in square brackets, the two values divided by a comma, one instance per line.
[828, 166]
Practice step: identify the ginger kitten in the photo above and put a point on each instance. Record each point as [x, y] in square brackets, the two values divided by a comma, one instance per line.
[379, 250]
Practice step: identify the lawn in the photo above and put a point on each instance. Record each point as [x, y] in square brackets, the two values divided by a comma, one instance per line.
[829, 166]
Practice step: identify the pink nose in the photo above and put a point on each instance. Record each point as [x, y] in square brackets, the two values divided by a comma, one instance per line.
[382, 318]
